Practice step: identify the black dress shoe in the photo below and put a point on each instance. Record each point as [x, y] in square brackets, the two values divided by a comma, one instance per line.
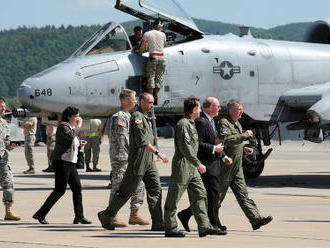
[177, 234]
[262, 222]
[81, 220]
[222, 228]
[212, 231]
[48, 170]
[40, 219]
[184, 220]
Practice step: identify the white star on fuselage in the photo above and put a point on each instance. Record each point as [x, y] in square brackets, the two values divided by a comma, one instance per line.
[226, 70]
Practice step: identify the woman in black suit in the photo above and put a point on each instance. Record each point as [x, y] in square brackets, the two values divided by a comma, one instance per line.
[64, 157]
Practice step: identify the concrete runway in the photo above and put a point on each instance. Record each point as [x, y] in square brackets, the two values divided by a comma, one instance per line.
[294, 188]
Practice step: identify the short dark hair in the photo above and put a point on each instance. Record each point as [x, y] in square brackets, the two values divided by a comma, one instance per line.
[157, 24]
[68, 112]
[189, 104]
[137, 29]
[144, 96]
[126, 93]
[2, 99]
[232, 103]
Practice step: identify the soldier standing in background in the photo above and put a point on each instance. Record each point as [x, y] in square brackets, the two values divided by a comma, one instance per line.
[231, 132]
[119, 143]
[6, 175]
[51, 134]
[94, 140]
[30, 129]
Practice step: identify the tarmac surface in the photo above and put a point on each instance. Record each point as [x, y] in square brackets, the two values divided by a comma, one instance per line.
[294, 188]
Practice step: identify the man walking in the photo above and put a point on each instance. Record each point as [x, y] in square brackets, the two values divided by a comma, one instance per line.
[141, 166]
[230, 130]
[185, 175]
[210, 151]
[119, 145]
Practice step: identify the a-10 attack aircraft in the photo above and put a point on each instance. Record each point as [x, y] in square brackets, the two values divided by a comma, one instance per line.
[277, 81]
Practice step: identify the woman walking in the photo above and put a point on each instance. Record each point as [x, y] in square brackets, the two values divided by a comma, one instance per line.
[64, 157]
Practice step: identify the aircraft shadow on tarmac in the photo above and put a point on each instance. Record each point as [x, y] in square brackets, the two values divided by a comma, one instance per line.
[297, 181]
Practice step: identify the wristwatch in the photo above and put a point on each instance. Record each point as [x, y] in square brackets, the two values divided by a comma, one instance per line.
[156, 152]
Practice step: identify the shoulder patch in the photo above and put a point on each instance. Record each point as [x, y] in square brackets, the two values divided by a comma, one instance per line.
[121, 124]
[224, 130]
[138, 120]
[187, 136]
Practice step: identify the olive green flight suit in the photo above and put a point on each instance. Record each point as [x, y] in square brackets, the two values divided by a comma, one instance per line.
[232, 175]
[141, 166]
[185, 176]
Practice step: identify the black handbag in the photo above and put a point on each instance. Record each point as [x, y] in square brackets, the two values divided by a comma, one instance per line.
[81, 159]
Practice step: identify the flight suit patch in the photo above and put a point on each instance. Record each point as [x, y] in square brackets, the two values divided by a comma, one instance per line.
[138, 120]
[224, 131]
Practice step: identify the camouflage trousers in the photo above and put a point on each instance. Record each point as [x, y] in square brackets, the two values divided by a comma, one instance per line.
[92, 146]
[50, 149]
[6, 179]
[154, 71]
[117, 174]
[28, 144]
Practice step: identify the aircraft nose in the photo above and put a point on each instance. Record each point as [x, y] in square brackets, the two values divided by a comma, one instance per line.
[25, 92]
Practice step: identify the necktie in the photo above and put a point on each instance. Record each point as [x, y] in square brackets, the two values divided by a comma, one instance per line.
[213, 126]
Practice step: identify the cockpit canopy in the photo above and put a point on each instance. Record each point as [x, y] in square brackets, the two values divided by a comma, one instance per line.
[108, 39]
[113, 38]
[167, 11]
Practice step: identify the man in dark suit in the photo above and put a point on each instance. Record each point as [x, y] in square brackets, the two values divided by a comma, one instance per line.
[210, 151]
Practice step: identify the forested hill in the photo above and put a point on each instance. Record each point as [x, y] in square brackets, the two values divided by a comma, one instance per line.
[26, 51]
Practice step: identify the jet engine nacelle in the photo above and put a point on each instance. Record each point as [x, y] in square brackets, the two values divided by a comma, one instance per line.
[26, 112]
[318, 32]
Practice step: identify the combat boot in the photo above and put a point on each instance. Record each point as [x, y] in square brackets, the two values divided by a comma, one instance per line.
[95, 168]
[88, 168]
[106, 220]
[118, 223]
[9, 214]
[136, 219]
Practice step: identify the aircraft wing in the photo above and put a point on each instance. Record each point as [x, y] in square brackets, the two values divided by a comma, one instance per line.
[315, 99]
[168, 11]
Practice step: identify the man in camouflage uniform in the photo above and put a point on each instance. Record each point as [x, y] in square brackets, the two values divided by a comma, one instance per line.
[185, 175]
[155, 41]
[50, 132]
[94, 139]
[30, 129]
[119, 144]
[6, 175]
[141, 167]
[230, 130]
